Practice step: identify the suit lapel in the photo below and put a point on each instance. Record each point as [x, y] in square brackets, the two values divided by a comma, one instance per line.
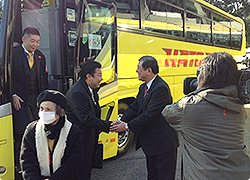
[24, 61]
[93, 105]
[85, 85]
[37, 62]
[144, 101]
[153, 84]
[141, 93]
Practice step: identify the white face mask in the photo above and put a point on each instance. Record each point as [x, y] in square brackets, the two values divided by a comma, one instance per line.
[47, 117]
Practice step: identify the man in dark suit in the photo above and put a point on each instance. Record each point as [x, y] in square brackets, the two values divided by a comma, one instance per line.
[29, 77]
[143, 117]
[84, 111]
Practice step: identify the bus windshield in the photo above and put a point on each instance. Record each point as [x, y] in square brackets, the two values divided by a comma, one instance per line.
[96, 38]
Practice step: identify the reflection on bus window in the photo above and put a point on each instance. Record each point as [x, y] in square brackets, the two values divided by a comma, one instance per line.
[237, 40]
[237, 34]
[178, 3]
[198, 9]
[198, 29]
[163, 18]
[175, 21]
[236, 25]
[37, 4]
[221, 19]
[128, 13]
[96, 38]
[93, 10]
[96, 29]
[155, 17]
[221, 34]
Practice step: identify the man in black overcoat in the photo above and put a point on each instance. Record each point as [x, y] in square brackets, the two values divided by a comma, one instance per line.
[29, 77]
[143, 117]
[84, 111]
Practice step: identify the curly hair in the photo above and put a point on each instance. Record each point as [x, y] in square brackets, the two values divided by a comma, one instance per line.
[219, 70]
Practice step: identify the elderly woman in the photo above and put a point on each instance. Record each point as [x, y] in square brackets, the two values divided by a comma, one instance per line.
[211, 122]
[51, 147]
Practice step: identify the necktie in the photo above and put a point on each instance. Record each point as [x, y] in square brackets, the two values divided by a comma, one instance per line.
[146, 90]
[31, 60]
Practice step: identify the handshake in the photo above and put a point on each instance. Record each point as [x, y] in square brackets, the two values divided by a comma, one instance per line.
[118, 126]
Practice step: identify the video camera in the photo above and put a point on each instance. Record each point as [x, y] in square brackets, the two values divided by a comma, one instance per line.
[191, 84]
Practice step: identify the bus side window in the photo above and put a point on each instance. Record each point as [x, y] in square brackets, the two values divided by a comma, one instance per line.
[237, 34]
[163, 18]
[128, 14]
[198, 29]
[221, 30]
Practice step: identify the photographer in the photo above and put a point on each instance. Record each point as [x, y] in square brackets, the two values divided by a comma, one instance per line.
[211, 121]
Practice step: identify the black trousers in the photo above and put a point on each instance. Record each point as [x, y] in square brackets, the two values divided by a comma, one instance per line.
[87, 160]
[162, 167]
[29, 112]
[32, 105]
[85, 169]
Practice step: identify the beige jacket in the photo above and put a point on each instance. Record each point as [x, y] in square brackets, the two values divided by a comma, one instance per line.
[211, 125]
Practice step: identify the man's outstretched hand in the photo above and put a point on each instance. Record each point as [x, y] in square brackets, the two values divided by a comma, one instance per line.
[118, 126]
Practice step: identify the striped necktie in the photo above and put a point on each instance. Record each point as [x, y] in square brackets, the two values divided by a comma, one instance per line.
[31, 60]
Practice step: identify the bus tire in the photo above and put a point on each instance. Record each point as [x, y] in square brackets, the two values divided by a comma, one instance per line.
[125, 138]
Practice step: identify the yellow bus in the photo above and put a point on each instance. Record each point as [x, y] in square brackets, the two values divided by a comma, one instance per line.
[178, 33]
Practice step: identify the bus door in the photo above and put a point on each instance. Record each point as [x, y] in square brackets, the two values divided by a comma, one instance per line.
[70, 38]
[6, 143]
[96, 40]
[56, 22]
[7, 166]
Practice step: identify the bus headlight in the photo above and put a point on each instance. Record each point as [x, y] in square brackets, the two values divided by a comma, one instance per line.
[2, 169]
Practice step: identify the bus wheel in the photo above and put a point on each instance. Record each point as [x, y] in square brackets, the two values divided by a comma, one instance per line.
[125, 138]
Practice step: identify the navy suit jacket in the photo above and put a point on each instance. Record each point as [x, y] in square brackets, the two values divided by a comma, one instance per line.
[20, 82]
[144, 118]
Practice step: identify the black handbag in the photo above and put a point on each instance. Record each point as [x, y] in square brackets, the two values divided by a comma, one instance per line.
[98, 156]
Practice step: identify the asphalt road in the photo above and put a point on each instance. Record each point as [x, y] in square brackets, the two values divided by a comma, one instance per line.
[128, 167]
[132, 166]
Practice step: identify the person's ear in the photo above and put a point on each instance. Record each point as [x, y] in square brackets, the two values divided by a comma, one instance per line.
[88, 76]
[149, 70]
[23, 39]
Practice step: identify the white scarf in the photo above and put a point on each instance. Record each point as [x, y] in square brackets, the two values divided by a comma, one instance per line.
[42, 147]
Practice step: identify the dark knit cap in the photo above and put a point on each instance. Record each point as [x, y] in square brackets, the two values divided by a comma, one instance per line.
[54, 96]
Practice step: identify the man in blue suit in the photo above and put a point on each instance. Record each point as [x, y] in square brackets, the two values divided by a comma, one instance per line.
[156, 137]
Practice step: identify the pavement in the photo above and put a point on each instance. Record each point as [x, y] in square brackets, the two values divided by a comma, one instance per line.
[247, 128]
